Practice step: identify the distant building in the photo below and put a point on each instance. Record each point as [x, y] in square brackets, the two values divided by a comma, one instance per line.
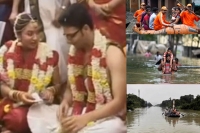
[132, 5]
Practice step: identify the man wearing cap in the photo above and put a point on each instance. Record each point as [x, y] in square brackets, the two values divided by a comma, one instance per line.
[160, 21]
[137, 15]
[188, 18]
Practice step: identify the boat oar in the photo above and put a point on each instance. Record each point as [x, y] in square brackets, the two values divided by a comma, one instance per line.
[186, 8]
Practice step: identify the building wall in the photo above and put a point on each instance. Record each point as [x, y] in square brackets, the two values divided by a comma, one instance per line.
[132, 5]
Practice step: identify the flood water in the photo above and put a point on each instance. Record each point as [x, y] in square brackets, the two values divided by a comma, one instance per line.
[151, 120]
[142, 70]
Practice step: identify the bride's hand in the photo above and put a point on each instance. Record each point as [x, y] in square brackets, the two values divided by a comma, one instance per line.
[48, 96]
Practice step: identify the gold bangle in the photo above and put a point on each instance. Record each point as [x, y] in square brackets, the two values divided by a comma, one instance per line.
[52, 89]
[17, 95]
[10, 94]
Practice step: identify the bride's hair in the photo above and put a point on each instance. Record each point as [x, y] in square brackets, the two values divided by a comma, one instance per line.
[22, 20]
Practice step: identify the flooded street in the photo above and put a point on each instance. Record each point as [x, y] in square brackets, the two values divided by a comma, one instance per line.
[142, 70]
[151, 120]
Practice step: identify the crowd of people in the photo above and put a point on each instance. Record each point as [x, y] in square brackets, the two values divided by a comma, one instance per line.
[151, 19]
[173, 111]
[75, 75]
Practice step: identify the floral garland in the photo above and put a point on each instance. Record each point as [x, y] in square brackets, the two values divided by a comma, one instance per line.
[98, 70]
[39, 78]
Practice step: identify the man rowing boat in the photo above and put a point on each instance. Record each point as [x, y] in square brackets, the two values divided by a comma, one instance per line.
[188, 17]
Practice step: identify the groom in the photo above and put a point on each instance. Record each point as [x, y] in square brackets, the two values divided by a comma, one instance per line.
[97, 77]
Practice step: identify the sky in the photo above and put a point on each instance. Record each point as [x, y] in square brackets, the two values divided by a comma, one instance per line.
[155, 94]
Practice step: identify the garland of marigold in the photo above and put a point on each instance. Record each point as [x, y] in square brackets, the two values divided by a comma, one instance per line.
[40, 78]
[97, 71]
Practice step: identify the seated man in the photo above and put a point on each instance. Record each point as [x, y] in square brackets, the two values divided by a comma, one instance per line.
[188, 18]
[97, 81]
[27, 66]
[152, 18]
[138, 14]
[160, 21]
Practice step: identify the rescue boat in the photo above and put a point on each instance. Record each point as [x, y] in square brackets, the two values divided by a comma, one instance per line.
[171, 114]
[176, 29]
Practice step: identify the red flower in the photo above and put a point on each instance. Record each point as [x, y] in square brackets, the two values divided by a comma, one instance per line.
[80, 85]
[10, 56]
[43, 67]
[4, 77]
[77, 107]
[96, 52]
[71, 59]
[90, 60]
[80, 54]
[103, 62]
[90, 84]
[79, 57]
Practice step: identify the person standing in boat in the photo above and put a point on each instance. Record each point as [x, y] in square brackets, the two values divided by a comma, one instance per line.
[160, 21]
[168, 52]
[188, 18]
[138, 14]
[145, 22]
[152, 17]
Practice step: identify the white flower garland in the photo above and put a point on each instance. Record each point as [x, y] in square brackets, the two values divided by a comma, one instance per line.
[39, 78]
[99, 74]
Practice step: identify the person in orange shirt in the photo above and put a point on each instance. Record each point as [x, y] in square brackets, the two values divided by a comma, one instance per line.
[138, 14]
[160, 21]
[188, 18]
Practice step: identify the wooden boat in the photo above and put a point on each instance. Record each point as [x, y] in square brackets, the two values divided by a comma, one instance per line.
[177, 29]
